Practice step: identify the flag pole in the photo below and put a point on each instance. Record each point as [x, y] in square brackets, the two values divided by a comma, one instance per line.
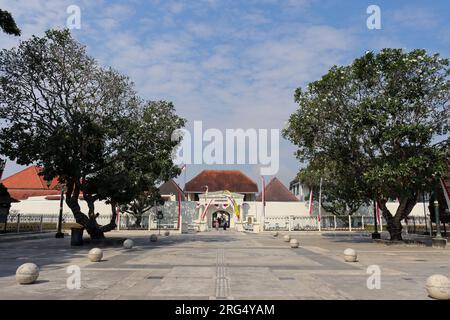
[185, 169]
[310, 202]
[263, 198]
[179, 209]
[375, 234]
[320, 204]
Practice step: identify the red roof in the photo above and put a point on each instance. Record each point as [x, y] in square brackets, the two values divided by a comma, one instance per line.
[276, 191]
[220, 180]
[28, 183]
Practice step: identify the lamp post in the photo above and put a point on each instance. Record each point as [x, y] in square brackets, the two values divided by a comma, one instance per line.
[438, 241]
[425, 214]
[59, 233]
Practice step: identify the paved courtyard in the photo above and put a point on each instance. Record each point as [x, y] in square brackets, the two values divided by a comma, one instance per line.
[223, 265]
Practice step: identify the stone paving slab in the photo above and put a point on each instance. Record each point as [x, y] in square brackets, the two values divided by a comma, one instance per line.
[223, 265]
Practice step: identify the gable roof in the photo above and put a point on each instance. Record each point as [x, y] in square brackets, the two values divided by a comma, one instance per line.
[171, 187]
[220, 180]
[28, 183]
[276, 191]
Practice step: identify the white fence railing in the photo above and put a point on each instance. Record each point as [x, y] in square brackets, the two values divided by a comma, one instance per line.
[338, 223]
[35, 222]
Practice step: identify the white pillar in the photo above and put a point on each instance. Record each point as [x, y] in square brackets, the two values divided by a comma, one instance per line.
[349, 223]
[290, 223]
[362, 222]
[319, 223]
[335, 223]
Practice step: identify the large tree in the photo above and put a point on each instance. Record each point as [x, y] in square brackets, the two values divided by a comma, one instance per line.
[81, 123]
[375, 124]
[146, 147]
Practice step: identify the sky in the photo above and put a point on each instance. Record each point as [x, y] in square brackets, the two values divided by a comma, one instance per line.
[233, 64]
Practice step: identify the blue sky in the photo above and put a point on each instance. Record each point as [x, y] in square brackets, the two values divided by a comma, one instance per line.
[234, 64]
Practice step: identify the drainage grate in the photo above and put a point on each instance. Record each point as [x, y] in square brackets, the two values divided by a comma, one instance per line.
[420, 260]
[286, 278]
[155, 277]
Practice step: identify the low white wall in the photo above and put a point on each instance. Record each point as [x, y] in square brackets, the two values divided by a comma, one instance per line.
[39, 205]
[417, 211]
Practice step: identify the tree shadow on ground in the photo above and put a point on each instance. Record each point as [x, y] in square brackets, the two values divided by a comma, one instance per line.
[50, 252]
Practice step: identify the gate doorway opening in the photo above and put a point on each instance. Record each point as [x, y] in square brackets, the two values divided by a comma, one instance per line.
[221, 217]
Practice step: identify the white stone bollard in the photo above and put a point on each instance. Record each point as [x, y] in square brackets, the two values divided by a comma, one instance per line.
[438, 287]
[95, 255]
[167, 233]
[294, 243]
[350, 255]
[153, 238]
[275, 234]
[27, 273]
[287, 238]
[128, 244]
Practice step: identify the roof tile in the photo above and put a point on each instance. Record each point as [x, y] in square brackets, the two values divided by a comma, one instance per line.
[220, 180]
[276, 191]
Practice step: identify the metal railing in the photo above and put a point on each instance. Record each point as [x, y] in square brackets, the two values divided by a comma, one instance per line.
[325, 223]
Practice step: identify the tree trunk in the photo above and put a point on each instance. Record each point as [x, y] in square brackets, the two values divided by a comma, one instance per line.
[395, 227]
[89, 222]
[394, 223]
[138, 221]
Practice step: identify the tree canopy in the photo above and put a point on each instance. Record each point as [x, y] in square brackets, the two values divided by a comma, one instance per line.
[84, 124]
[372, 127]
[7, 23]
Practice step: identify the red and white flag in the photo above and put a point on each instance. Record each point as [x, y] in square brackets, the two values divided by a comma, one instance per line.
[377, 209]
[206, 210]
[445, 188]
[310, 203]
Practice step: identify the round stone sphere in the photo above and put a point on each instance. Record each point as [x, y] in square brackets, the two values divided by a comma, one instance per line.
[287, 238]
[350, 255]
[95, 255]
[166, 233]
[438, 287]
[27, 273]
[275, 234]
[294, 243]
[153, 238]
[128, 244]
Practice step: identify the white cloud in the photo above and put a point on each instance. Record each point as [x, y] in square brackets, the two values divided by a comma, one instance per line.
[417, 18]
[229, 75]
